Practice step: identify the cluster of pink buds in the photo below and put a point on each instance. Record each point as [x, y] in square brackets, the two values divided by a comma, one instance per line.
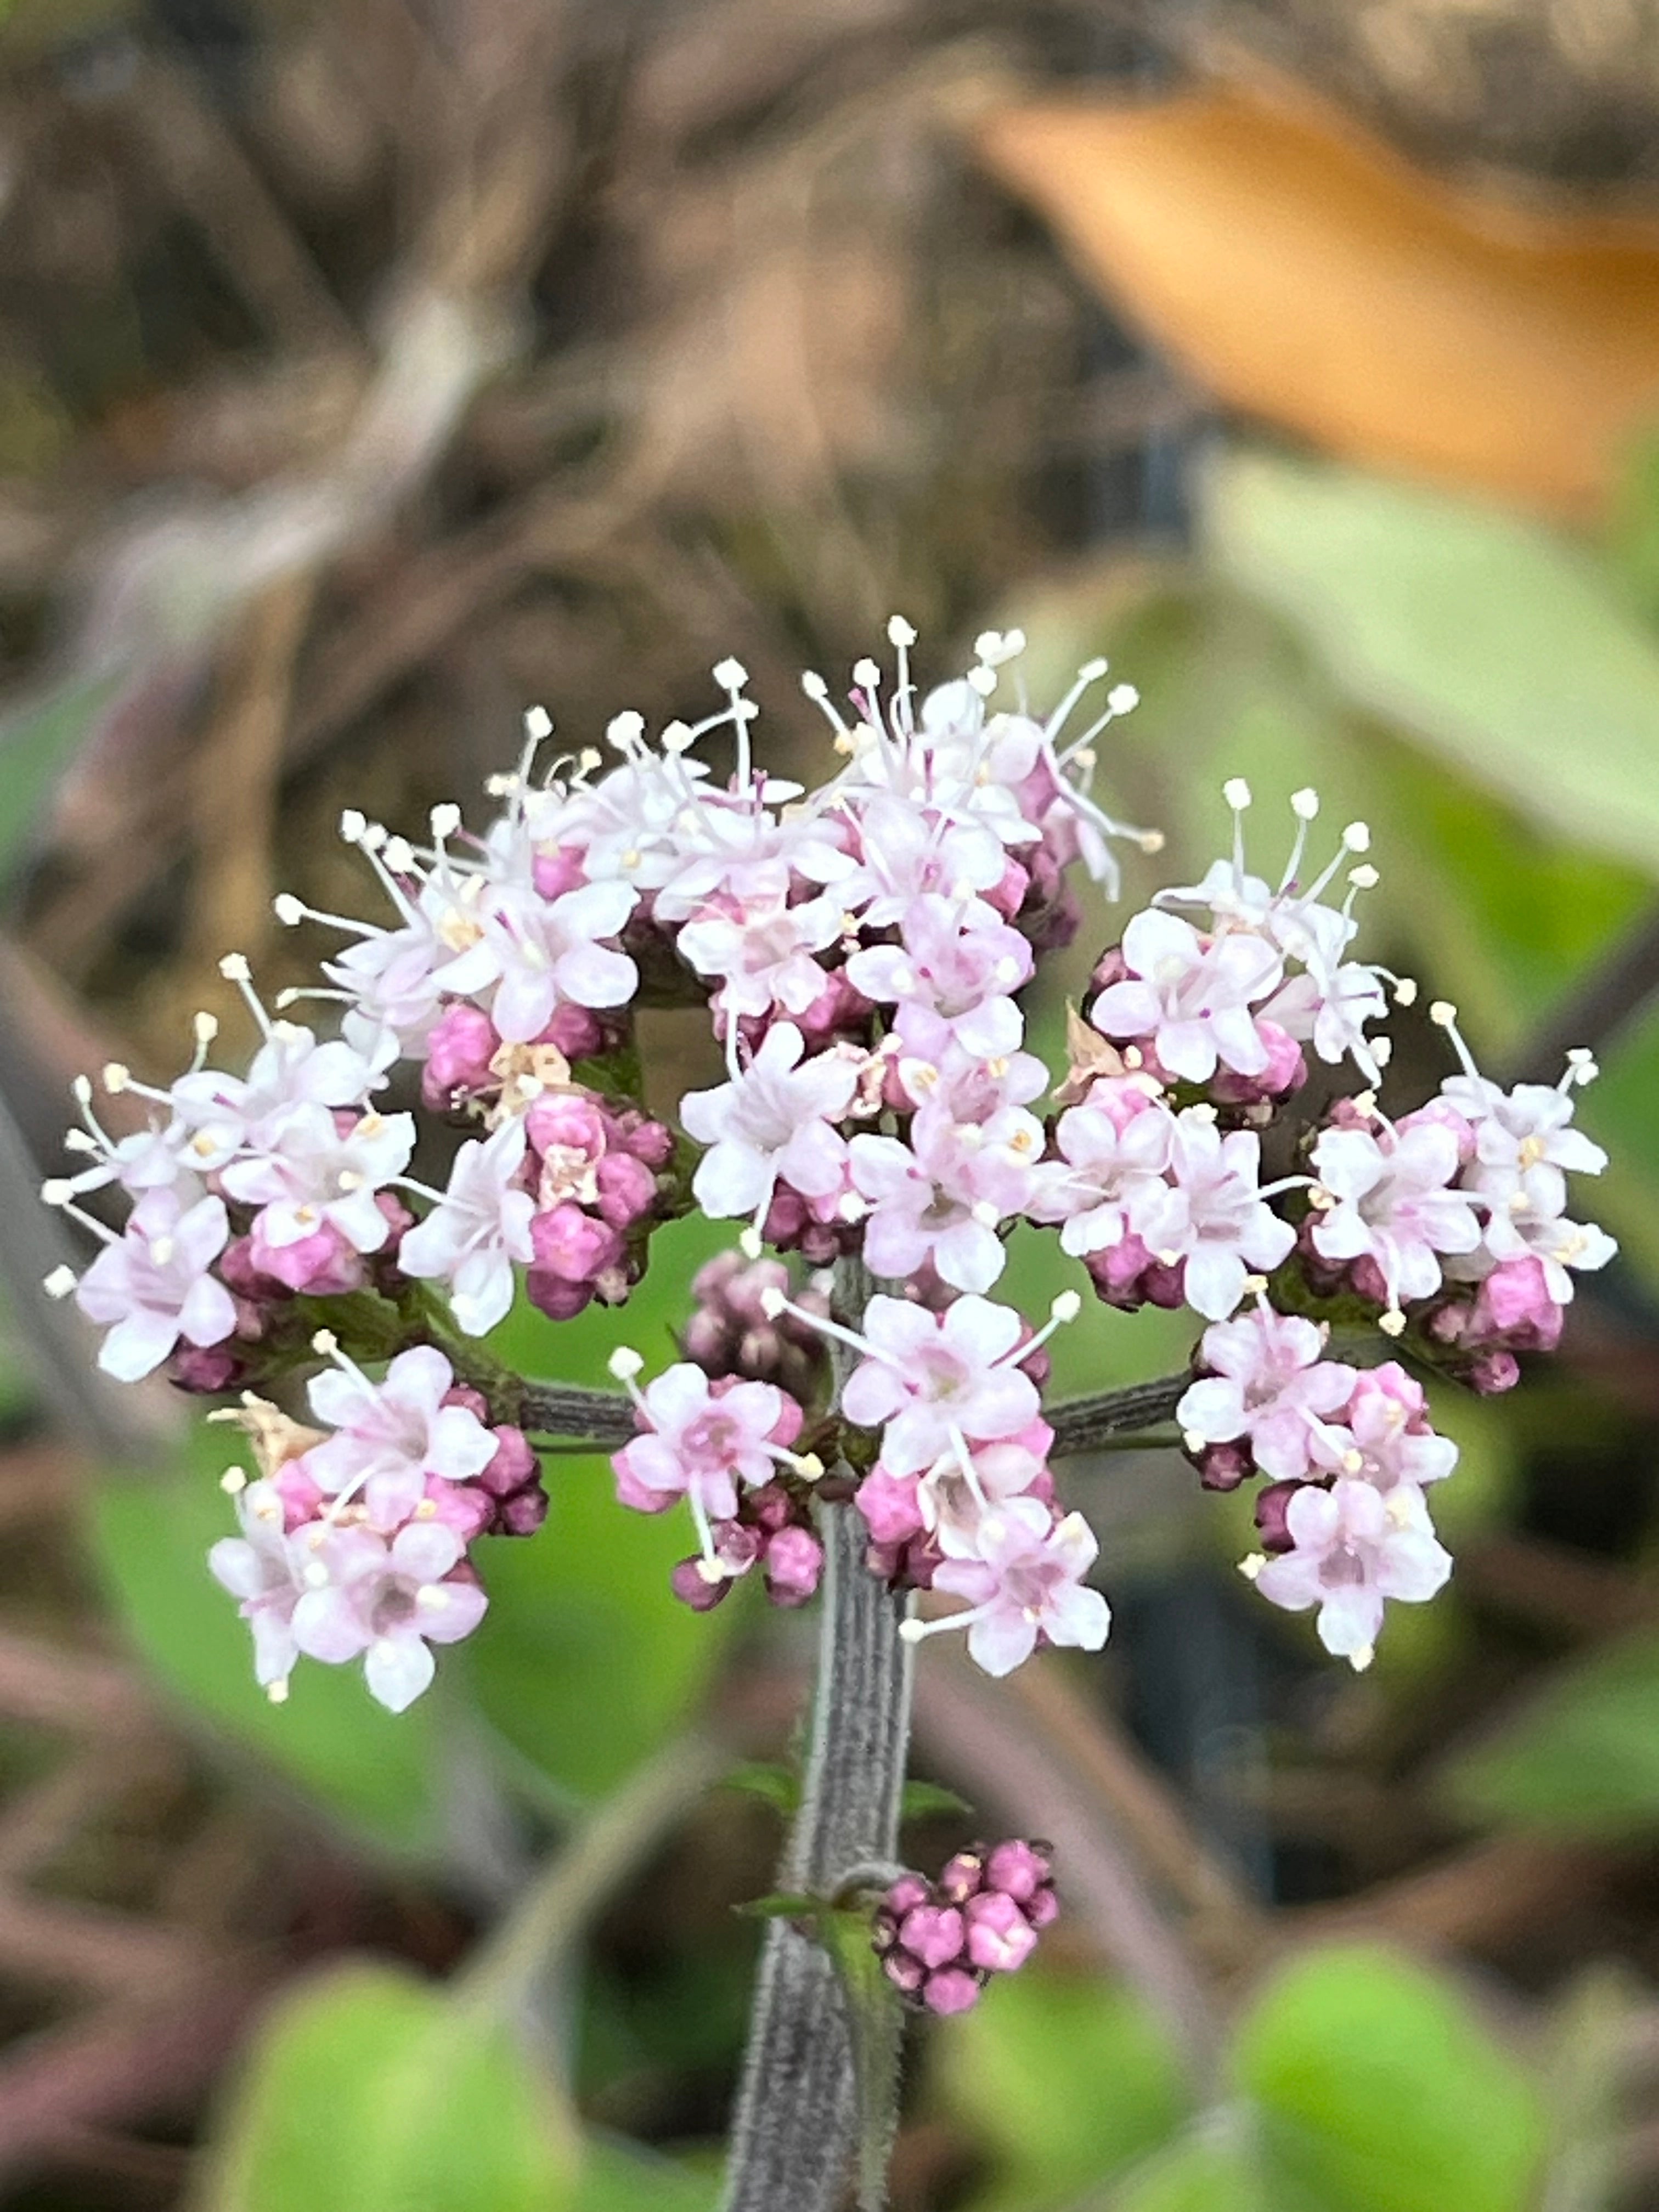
[940, 1941]
[354, 1539]
[863, 951]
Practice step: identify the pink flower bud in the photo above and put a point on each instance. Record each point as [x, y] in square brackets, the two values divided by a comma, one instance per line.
[999, 1936]
[910, 1890]
[573, 1245]
[952, 1991]
[890, 1504]
[688, 1583]
[793, 1565]
[558, 871]
[1018, 1868]
[323, 1265]
[1513, 1307]
[462, 1045]
[933, 1933]
[627, 1188]
[962, 1877]
[1272, 1506]
[1042, 1908]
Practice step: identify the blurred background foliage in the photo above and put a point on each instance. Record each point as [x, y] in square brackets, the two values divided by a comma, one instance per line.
[368, 370]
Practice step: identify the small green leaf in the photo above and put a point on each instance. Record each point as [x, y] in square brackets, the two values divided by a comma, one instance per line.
[369, 2091]
[1378, 2090]
[777, 1786]
[923, 1799]
[782, 1904]
[1583, 1758]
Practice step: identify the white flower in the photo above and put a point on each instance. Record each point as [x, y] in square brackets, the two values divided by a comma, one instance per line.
[1212, 1214]
[1026, 1581]
[308, 1173]
[1112, 1163]
[763, 953]
[225, 1115]
[1269, 1385]
[1394, 1204]
[772, 1120]
[477, 1229]
[1190, 1000]
[153, 1285]
[391, 1436]
[1354, 1547]
[385, 1600]
[538, 954]
[255, 1568]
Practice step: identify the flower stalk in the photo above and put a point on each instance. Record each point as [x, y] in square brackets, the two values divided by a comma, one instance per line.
[799, 2121]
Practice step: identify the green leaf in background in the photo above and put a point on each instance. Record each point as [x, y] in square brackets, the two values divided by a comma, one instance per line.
[1063, 2080]
[1212, 2173]
[38, 741]
[150, 1533]
[1584, 1758]
[586, 1661]
[1499, 646]
[1378, 2090]
[370, 2091]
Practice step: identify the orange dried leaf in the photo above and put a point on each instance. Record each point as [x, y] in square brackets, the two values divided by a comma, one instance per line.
[1310, 277]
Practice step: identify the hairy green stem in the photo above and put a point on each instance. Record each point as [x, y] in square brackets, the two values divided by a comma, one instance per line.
[798, 2121]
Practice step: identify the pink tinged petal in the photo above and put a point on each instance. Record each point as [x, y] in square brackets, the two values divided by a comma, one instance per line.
[1350, 1620]
[591, 975]
[1126, 1010]
[1080, 1618]
[137, 1346]
[1239, 1041]
[1001, 1640]
[1292, 1581]
[1155, 936]
[426, 1549]
[652, 1464]
[233, 1564]
[523, 1004]
[732, 1180]
[483, 1285]
[327, 1627]
[274, 1648]
[1214, 1282]
[992, 1031]
[1187, 1049]
[459, 1444]
[1213, 1409]
[970, 1257]
[208, 1315]
[450, 1611]
[814, 1160]
[398, 1670]
[1414, 1565]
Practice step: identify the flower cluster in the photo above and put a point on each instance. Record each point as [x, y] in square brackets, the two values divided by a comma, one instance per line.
[863, 951]
[940, 1941]
[354, 1539]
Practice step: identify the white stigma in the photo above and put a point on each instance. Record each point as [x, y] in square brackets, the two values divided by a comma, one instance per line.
[900, 632]
[731, 675]
[1358, 837]
[1066, 1307]
[446, 820]
[1237, 792]
[625, 1363]
[537, 723]
[234, 968]
[1123, 698]
[288, 910]
[59, 1283]
[1304, 804]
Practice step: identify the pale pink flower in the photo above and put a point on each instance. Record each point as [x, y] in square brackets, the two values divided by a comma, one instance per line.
[941, 1196]
[152, 1286]
[309, 1172]
[965, 977]
[534, 955]
[391, 1436]
[932, 1377]
[1387, 1425]
[703, 1440]
[1394, 1204]
[1026, 1581]
[386, 1600]
[1190, 1000]
[1213, 1214]
[256, 1569]
[763, 953]
[1114, 1147]
[477, 1229]
[771, 1122]
[1353, 1548]
[1270, 1386]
